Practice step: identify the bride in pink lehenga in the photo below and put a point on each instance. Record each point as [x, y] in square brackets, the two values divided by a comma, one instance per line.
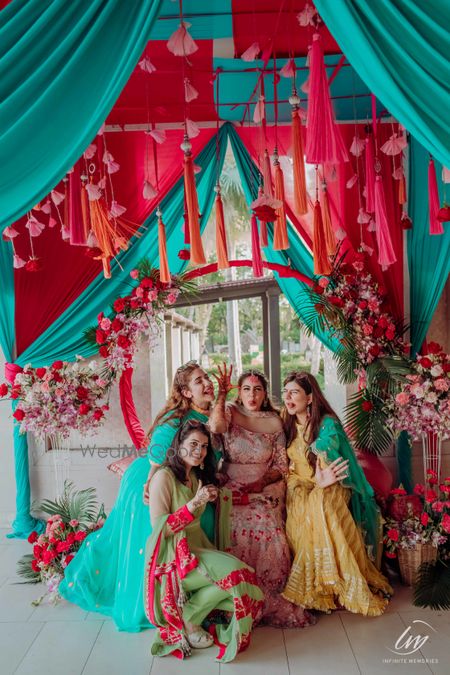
[255, 464]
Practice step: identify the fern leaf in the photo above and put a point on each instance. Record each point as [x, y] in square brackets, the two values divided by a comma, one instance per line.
[25, 570]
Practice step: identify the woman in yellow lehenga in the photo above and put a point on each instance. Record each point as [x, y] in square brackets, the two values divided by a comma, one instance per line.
[330, 507]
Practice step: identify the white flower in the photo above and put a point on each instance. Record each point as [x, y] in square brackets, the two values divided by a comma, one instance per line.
[436, 370]
[93, 365]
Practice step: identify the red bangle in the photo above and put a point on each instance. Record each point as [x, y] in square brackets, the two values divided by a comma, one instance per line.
[177, 521]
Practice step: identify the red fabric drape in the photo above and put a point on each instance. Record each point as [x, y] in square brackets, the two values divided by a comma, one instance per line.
[134, 427]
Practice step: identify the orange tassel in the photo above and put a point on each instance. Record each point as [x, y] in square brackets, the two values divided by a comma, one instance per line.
[330, 239]
[267, 175]
[164, 272]
[321, 262]
[221, 235]
[280, 234]
[197, 252]
[402, 190]
[300, 194]
[106, 268]
[101, 228]
[85, 211]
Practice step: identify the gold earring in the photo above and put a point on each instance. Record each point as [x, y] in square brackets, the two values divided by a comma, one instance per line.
[202, 466]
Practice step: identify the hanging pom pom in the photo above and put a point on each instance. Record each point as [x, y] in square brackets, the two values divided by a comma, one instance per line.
[180, 42]
[298, 160]
[190, 92]
[259, 112]
[330, 239]
[363, 217]
[221, 235]
[57, 197]
[433, 200]
[46, 207]
[324, 142]
[9, 233]
[93, 191]
[265, 206]
[267, 174]
[251, 53]
[321, 262]
[18, 262]
[164, 272]
[158, 135]
[280, 233]
[197, 253]
[90, 151]
[352, 181]
[116, 209]
[34, 226]
[395, 145]
[288, 70]
[386, 255]
[307, 16]
[149, 192]
[146, 65]
[257, 265]
[192, 129]
[370, 175]
[357, 147]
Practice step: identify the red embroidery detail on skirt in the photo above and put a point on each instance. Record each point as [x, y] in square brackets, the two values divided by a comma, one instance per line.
[186, 561]
[244, 575]
[246, 606]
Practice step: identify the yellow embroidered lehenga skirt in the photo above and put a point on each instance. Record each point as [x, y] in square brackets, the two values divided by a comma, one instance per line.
[331, 567]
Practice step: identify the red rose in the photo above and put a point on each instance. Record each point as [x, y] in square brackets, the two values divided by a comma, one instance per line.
[57, 377]
[430, 496]
[83, 409]
[79, 536]
[336, 301]
[319, 290]
[375, 350]
[70, 538]
[424, 518]
[367, 406]
[33, 537]
[393, 534]
[40, 372]
[100, 317]
[19, 414]
[390, 334]
[119, 304]
[82, 393]
[419, 489]
[98, 414]
[446, 367]
[123, 342]
[184, 254]
[62, 546]
[48, 556]
[425, 362]
[57, 365]
[117, 325]
[383, 322]
[100, 336]
[37, 551]
[362, 304]
[3, 389]
[69, 558]
[135, 304]
[35, 566]
[146, 283]
[433, 348]
[15, 392]
[103, 351]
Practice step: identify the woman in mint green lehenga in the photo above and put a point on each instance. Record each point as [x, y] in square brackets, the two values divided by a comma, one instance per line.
[186, 577]
[107, 573]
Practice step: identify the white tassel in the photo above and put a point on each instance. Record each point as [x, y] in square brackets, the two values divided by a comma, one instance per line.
[146, 65]
[358, 146]
[190, 92]
[148, 191]
[251, 53]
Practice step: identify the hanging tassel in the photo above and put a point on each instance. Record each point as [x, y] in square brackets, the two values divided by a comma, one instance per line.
[280, 234]
[370, 175]
[18, 262]
[164, 273]
[148, 191]
[288, 70]
[321, 262]
[386, 255]
[257, 265]
[197, 253]
[251, 52]
[146, 65]
[436, 226]
[221, 235]
[180, 42]
[264, 236]
[402, 190]
[158, 135]
[192, 129]
[106, 262]
[76, 222]
[298, 159]
[85, 214]
[267, 174]
[330, 239]
[259, 113]
[324, 142]
[190, 92]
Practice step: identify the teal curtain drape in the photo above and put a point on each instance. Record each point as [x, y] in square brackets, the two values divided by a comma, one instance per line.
[64, 338]
[297, 255]
[428, 255]
[62, 67]
[400, 48]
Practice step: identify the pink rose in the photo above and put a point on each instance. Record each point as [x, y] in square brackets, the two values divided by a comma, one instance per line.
[417, 391]
[153, 295]
[441, 384]
[139, 292]
[367, 329]
[45, 387]
[59, 391]
[134, 274]
[171, 298]
[105, 324]
[323, 282]
[74, 522]
[402, 398]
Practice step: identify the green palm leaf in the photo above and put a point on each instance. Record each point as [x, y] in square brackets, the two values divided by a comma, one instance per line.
[25, 570]
[368, 428]
[79, 505]
[432, 588]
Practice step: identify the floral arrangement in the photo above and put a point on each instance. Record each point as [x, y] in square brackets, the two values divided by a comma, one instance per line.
[423, 404]
[59, 398]
[73, 517]
[430, 526]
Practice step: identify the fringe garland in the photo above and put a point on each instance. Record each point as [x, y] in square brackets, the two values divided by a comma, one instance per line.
[300, 194]
[197, 252]
[280, 233]
[330, 239]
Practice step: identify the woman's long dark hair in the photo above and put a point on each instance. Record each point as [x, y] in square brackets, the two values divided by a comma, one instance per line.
[174, 458]
[317, 409]
[251, 372]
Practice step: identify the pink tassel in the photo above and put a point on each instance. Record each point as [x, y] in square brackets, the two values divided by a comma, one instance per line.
[51, 222]
[149, 191]
[90, 151]
[180, 42]
[251, 53]
[111, 165]
[76, 226]
[370, 175]
[260, 111]
[34, 226]
[47, 207]
[357, 147]
[436, 226]
[267, 175]
[93, 191]
[288, 70]
[324, 142]
[386, 255]
[146, 65]
[192, 129]
[116, 209]
[10, 232]
[18, 262]
[57, 197]
[190, 92]
[256, 250]
[158, 135]
[395, 145]
[306, 16]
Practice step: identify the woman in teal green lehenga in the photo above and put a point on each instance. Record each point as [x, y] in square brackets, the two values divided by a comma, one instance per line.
[107, 573]
[186, 577]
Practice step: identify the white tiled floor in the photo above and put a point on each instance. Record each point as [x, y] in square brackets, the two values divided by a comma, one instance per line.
[49, 640]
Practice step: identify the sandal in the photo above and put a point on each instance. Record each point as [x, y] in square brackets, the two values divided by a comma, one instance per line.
[200, 639]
